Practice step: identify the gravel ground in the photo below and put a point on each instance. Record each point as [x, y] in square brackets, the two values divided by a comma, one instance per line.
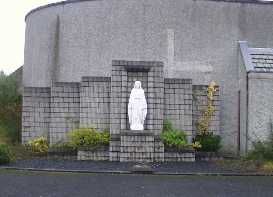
[41, 184]
[96, 166]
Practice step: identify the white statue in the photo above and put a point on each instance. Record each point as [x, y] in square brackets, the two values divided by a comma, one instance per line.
[137, 107]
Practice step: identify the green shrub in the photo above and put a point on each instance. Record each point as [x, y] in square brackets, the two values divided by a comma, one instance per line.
[88, 137]
[5, 154]
[171, 137]
[209, 142]
[174, 139]
[167, 125]
[38, 145]
[262, 151]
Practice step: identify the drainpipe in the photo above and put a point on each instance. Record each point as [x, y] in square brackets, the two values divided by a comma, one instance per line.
[239, 124]
[247, 106]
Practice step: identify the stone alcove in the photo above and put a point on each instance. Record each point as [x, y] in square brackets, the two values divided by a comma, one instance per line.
[129, 145]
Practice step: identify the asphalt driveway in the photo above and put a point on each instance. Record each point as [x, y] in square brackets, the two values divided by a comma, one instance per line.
[43, 184]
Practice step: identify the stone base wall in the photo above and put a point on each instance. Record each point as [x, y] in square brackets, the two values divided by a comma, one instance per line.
[158, 150]
[138, 154]
[114, 147]
[137, 146]
[93, 155]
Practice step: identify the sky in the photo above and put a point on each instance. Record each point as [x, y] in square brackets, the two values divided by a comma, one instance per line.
[12, 31]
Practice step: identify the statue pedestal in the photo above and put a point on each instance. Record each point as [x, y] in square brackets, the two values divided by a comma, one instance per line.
[137, 146]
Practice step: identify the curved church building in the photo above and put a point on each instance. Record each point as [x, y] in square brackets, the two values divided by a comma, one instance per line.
[83, 56]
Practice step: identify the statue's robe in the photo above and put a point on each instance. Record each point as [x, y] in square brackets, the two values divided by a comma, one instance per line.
[137, 107]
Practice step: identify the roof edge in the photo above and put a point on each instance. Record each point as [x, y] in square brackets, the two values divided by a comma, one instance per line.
[77, 1]
[245, 54]
[61, 3]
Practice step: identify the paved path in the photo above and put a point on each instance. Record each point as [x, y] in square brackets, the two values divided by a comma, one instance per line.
[98, 166]
[41, 184]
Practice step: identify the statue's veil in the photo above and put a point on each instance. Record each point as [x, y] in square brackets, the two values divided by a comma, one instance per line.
[138, 83]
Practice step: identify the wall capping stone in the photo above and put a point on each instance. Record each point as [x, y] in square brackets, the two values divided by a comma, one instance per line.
[95, 79]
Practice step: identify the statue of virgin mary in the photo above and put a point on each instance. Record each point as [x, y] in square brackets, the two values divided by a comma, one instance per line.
[137, 107]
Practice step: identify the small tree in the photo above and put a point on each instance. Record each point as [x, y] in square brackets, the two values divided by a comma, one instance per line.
[204, 122]
[205, 140]
[10, 107]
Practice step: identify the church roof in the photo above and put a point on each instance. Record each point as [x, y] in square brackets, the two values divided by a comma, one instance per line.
[257, 59]
[76, 1]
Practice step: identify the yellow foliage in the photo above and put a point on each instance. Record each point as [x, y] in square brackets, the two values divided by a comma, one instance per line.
[196, 145]
[203, 123]
[38, 145]
[268, 166]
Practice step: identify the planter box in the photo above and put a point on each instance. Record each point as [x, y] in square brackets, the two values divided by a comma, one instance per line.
[62, 153]
[208, 156]
[174, 155]
[93, 153]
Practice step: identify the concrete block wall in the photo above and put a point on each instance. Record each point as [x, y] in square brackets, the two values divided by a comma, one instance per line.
[118, 108]
[102, 102]
[178, 103]
[35, 113]
[114, 148]
[95, 102]
[199, 104]
[65, 110]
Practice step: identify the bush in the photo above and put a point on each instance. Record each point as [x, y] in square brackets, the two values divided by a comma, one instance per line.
[5, 154]
[209, 142]
[262, 151]
[38, 145]
[171, 137]
[88, 137]
[174, 139]
[167, 126]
